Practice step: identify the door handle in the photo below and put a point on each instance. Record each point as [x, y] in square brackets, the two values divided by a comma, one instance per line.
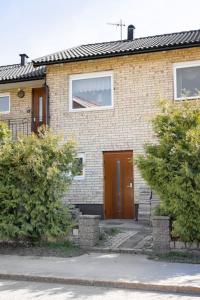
[130, 185]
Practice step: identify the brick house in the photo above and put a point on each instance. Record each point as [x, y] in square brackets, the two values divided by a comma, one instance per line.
[104, 95]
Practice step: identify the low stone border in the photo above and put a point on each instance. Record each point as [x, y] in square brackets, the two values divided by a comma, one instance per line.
[178, 245]
[161, 237]
[161, 234]
[105, 283]
[87, 233]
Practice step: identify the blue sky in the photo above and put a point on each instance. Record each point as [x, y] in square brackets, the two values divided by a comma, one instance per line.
[39, 27]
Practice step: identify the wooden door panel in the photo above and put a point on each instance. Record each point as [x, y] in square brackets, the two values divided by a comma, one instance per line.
[39, 108]
[118, 175]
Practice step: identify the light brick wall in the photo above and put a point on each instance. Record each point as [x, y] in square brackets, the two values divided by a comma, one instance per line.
[18, 106]
[18, 119]
[139, 82]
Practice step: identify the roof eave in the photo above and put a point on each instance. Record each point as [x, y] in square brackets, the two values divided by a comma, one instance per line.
[21, 79]
[98, 56]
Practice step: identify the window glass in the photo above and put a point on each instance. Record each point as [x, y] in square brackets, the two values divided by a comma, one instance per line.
[91, 93]
[4, 104]
[80, 166]
[188, 82]
[40, 109]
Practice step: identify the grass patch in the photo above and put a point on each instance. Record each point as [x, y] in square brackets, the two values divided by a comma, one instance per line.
[106, 235]
[60, 245]
[65, 246]
[177, 256]
[114, 231]
[51, 248]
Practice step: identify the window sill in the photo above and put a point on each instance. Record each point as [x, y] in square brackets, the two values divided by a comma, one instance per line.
[187, 98]
[89, 109]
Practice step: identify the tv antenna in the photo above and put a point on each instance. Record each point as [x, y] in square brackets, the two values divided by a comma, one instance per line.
[120, 24]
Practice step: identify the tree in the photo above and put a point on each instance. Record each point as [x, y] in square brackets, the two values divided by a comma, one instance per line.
[172, 166]
[35, 172]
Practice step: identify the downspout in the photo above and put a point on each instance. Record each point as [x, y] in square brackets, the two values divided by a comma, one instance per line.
[47, 103]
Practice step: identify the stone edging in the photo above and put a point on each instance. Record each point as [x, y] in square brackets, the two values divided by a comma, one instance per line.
[162, 240]
[104, 283]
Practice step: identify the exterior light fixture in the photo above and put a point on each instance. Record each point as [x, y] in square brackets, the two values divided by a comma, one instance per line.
[20, 93]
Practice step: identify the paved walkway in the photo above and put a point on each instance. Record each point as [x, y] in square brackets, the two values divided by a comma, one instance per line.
[123, 224]
[118, 270]
[131, 238]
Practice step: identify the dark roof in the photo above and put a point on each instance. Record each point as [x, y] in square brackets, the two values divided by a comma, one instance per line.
[16, 73]
[169, 41]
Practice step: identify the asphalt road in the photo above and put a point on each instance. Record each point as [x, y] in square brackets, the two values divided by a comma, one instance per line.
[21, 290]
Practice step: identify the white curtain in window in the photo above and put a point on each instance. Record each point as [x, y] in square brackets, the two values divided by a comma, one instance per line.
[91, 84]
[188, 81]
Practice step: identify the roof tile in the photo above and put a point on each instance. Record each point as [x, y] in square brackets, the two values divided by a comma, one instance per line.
[139, 45]
[16, 72]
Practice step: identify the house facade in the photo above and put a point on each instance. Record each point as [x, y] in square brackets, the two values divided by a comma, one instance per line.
[104, 96]
[23, 95]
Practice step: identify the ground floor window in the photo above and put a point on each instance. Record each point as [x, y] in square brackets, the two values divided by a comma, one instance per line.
[4, 103]
[81, 166]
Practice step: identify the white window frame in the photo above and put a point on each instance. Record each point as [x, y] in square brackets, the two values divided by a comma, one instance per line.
[183, 65]
[81, 177]
[87, 76]
[5, 95]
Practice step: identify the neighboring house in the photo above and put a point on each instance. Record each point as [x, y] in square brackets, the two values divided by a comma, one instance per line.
[22, 95]
[105, 95]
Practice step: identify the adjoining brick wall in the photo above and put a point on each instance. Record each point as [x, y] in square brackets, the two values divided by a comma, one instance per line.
[18, 120]
[161, 233]
[139, 82]
[162, 241]
[18, 106]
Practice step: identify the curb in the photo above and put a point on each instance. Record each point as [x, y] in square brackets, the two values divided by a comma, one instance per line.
[104, 283]
[119, 250]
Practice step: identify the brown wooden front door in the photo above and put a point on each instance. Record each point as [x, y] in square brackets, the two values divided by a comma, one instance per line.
[39, 108]
[118, 185]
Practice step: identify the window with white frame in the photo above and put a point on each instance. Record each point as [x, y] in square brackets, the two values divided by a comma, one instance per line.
[91, 91]
[187, 80]
[4, 103]
[81, 166]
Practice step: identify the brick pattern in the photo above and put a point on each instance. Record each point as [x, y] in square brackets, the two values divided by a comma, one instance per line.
[116, 241]
[18, 120]
[139, 82]
[161, 234]
[88, 232]
[178, 245]
[18, 106]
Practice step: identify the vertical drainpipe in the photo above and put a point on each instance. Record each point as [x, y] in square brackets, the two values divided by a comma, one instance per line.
[47, 103]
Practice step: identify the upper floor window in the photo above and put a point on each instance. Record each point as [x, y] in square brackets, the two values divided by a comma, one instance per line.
[4, 103]
[92, 91]
[187, 80]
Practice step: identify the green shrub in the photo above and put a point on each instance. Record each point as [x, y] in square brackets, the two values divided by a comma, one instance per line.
[159, 210]
[34, 175]
[5, 133]
[172, 166]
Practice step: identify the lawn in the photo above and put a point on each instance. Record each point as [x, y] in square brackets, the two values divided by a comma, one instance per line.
[59, 249]
[176, 256]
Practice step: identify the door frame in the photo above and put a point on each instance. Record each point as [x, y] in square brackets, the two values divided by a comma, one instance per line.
[104, 195]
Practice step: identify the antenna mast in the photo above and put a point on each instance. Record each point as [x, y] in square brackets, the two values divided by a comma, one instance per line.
[119, 24]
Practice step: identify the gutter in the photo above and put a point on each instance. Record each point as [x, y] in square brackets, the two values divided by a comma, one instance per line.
[6, 81]
[116, 54]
